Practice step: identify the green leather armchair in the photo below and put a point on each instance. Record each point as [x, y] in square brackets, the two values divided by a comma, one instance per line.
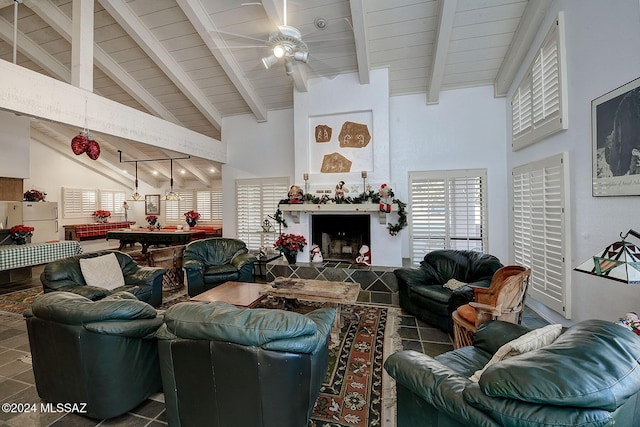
[421, 291]
[145, 283]
[225, 367]
[101, 353]
[211, 262]
[589, 376]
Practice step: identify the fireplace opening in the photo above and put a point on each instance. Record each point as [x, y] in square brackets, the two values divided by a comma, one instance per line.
[340, 236]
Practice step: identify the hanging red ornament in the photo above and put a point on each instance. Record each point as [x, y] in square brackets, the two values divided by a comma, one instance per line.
[93, 150]
[79, 144]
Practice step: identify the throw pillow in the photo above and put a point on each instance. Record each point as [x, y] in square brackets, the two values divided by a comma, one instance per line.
[530, 341]
[453, 284]
[102, 271]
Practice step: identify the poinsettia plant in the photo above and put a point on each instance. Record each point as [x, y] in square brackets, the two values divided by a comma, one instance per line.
[192, 215]
[34, 196]
[21, 232]
[151, 218]
[102, 214]
[290, 243]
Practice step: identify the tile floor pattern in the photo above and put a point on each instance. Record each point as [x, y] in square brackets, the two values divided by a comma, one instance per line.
[17, 382]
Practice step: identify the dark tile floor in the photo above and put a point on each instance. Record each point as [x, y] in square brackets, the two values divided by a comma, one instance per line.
[17, 381]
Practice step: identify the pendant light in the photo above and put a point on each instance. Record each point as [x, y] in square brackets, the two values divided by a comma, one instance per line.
[136, 197]
[171, 195]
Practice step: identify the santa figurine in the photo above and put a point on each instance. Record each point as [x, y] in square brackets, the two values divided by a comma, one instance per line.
[316, 254]
[386, 195]
[295, 194]
[364, 257]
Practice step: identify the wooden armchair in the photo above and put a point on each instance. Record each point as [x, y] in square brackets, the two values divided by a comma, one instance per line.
[503, 300]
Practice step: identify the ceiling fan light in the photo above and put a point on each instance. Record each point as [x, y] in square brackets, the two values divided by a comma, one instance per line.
[268, 61]
[301, 57]
[288, 66]
[279, 51]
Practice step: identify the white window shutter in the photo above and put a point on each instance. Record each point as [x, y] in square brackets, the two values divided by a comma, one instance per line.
[448, 211]
[257, 199]
[539, 229]
[538, 104]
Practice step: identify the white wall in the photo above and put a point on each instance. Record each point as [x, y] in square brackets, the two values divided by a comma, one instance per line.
[465, 130]
[254, 150]
[602, 40]
[14, 145]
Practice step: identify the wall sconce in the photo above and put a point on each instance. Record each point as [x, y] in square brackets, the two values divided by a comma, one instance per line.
[619, 261]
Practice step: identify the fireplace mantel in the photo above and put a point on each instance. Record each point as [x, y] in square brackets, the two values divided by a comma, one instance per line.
[295, 209]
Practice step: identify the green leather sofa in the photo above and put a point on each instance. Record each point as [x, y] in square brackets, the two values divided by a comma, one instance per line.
[224, 366]
[211, 262]
[589, 376]
[421, 291]
[102, 353]
[65, 275]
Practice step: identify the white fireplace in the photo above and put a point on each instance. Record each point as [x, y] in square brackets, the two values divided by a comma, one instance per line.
[385, 249]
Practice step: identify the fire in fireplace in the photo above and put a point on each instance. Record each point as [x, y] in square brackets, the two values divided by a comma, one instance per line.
[340, 236]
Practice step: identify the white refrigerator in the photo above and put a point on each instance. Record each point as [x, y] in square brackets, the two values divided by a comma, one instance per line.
[43, 216]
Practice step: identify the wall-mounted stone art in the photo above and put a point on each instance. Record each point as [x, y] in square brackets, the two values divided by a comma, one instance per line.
[355, 135]
[335, 163]
[323, 133]
[341, 142]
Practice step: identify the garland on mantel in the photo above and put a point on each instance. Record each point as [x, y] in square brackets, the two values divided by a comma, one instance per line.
[296, 197]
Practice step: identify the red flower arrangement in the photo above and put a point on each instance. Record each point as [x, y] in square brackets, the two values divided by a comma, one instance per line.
[151, 218]
[34, 196]
[19, 233]
[290, 243]
[101, 215]
[192, 215]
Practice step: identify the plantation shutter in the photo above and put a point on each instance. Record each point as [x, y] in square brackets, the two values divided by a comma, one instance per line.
[78, 202]
[209, 205]
[256, 201]
[175, 209]
[448, 211]
[112, 201]
[538, 104]
[539, 226]
[546, 87]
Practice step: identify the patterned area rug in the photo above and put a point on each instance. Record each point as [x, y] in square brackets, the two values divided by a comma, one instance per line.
[19, 301]
[352, 393]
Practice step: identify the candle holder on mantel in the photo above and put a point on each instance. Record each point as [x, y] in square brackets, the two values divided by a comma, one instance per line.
[364, 181]
[305, 176]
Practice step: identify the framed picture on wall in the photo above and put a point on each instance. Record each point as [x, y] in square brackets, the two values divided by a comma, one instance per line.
[615, 133]
[152, 204]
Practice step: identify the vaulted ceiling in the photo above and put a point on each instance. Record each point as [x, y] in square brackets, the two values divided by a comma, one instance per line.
[193, 62]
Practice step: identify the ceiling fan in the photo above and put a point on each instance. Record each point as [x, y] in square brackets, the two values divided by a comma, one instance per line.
[286, 44]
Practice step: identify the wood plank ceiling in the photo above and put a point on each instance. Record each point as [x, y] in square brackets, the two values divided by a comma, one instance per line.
[193, 62]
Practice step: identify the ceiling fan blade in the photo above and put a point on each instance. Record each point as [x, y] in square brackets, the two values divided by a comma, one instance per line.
[322, 68]
[241, 36]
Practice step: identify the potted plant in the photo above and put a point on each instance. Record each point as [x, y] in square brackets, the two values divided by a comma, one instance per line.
[290, 245]
[192, 218]
[151, 219]
[101, 215]
[34, 196]
[20, 233]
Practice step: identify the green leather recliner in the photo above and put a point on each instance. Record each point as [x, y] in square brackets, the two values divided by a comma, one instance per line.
[589, 377]
[211, 262]
[224, 366]
[102, 353]
[421, 291]
[145, 283]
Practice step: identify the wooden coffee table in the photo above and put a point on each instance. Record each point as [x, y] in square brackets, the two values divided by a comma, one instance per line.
[324, 291]
[240, 294]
